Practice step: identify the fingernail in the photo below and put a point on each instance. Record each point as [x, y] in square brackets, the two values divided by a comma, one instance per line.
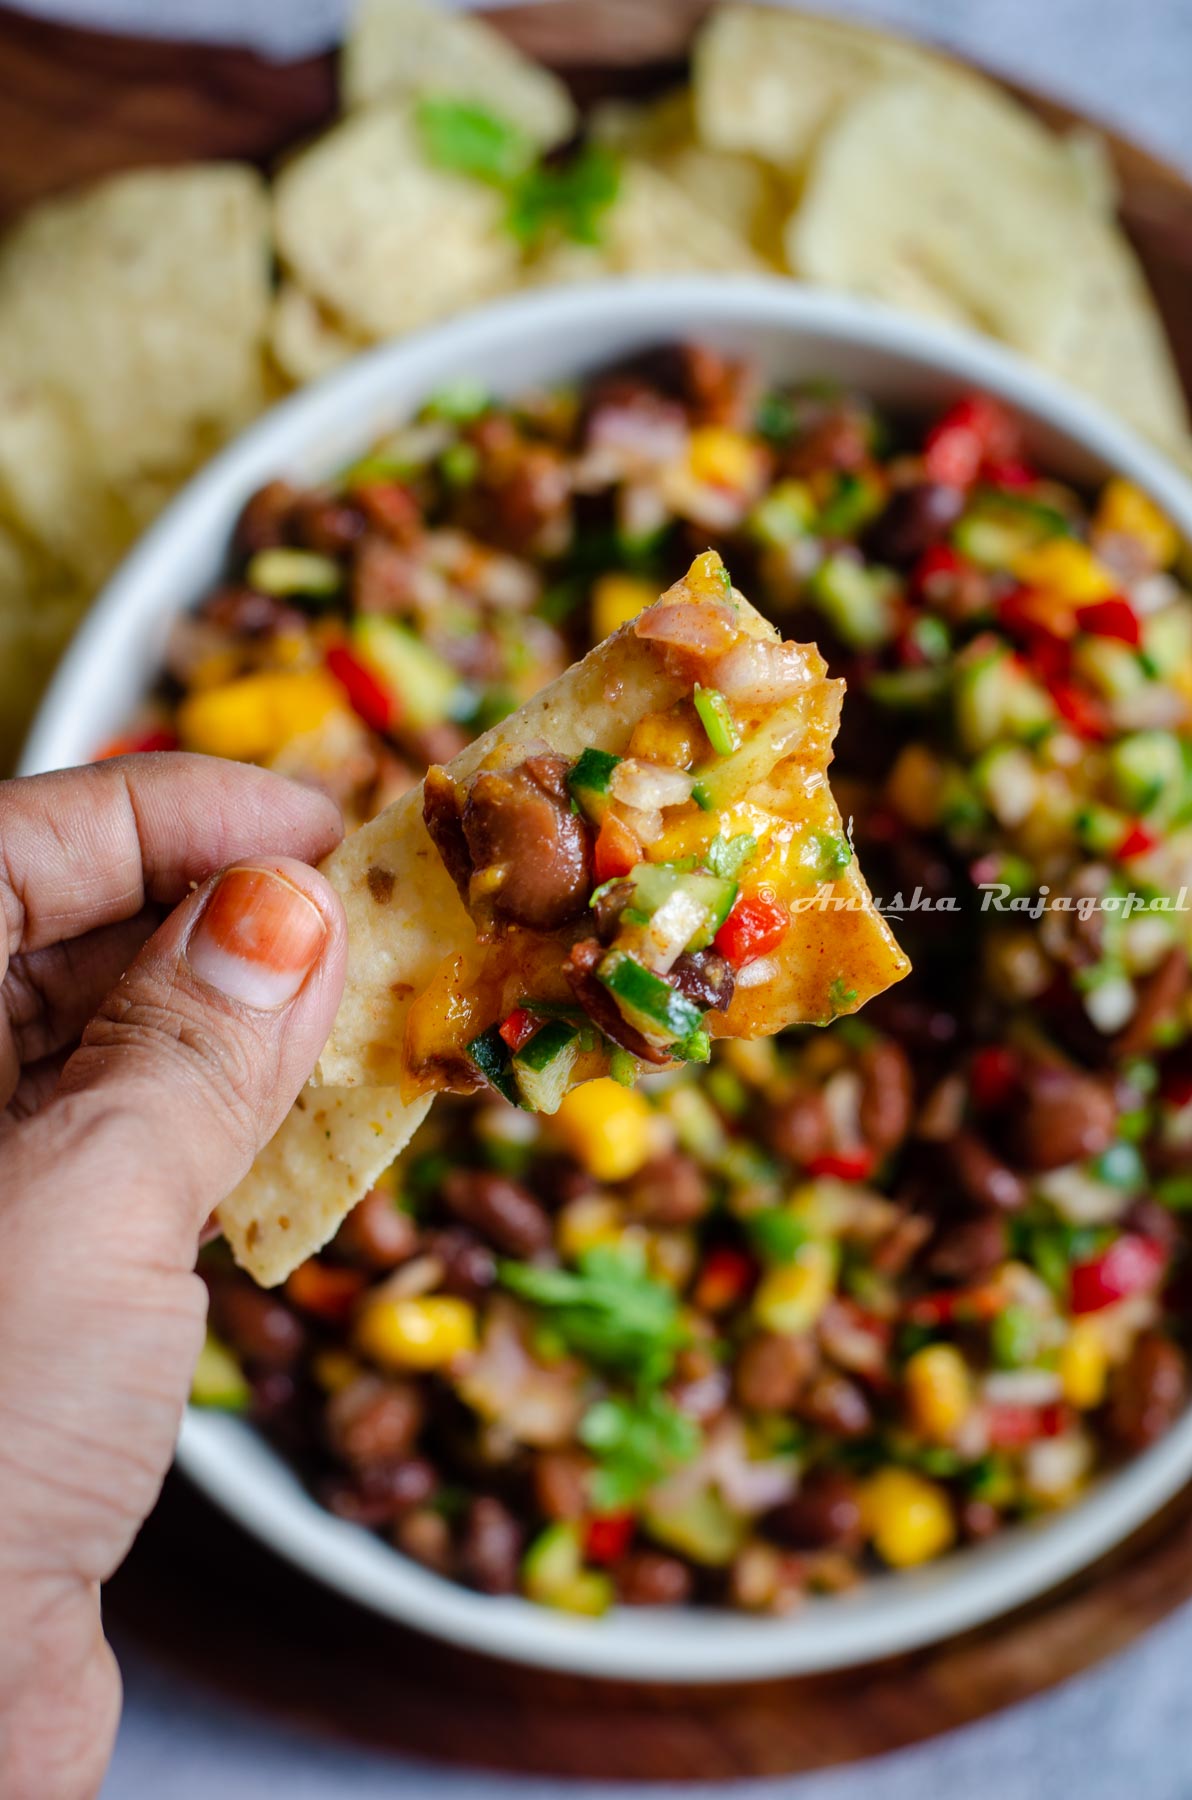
[258, 938]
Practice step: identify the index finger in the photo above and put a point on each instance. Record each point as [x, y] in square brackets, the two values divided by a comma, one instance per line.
[86, 847]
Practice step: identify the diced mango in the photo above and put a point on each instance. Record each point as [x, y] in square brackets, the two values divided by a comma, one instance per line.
[593, 1222]
[615, 600]
[791, 1297]
[1063, 566]
[252, 718]
[1084, 1365]
[723, 458]
[1126, 509]
[607, 1128]
[664, 738]
[939, 1391]
[334, 1370]
[908, 1518]
[423, 1333]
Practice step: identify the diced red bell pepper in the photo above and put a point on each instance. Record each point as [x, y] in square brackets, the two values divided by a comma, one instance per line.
[1135, 841]
[1132, 1264]
[938, 562]
[844, 1165]
[608, 1537]
[368, 697]
[726, 1275]
[1034, 613]
[1011, 1424]
[325, 1290]
[518, 1028]
[1012, 473]
[756, 925]
[1111, 618]
[1078, 710]
[976, 432]
[965, 1305]
[143, 743]
[993, 1076]
[617, 849]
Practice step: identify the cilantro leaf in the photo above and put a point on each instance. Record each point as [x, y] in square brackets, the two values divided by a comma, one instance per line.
[609, 1311]
[569, 198]
[637, 1444]
[726, 857]
[471, 140]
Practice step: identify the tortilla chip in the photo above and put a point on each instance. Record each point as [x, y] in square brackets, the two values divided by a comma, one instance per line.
[38, 615]
[381, 238]
[412, 955]
[304, 342]
[49, 488]
[401, 48]
[331, 1149]
[142, 302]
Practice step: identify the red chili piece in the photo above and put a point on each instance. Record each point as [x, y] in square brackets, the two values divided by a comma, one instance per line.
[1132, 1264]
[756, 925]
[367, 696]
[518, 1028]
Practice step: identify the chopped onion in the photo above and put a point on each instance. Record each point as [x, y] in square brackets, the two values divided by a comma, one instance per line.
[1110, 1004]
[671, 930]
[704, 628]
[1081, 1199]
[1052, 1467]
[1023, 1387]
[648, 785]
[757, 669]
[644, 822]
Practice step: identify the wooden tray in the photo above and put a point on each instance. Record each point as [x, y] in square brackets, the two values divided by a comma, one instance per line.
[198, 1594]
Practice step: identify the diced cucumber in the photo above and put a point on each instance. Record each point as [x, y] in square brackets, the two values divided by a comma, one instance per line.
[995, 698]
[424, 685]
[590, 780]
[787, 512]
[655, 883]
[855, 600]
[647, 1001]
[703, 1528]
[491, 1056]
[1100, 829]
[1008, 782]
[1147, 768]
[857, 499]
[1113, 669]
[908, 690]
[218, 1380]
[542, 1068]
[553, 1573]
[1167, 638]
[717, 720]
[294, 574]
[730, 779]
[998, 528]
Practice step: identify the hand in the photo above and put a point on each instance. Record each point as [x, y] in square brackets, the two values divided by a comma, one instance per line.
[144, 1059]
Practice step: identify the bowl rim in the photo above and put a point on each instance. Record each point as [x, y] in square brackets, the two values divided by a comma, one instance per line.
[889, 1614]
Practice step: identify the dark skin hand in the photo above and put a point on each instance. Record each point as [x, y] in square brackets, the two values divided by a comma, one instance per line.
[169, 969]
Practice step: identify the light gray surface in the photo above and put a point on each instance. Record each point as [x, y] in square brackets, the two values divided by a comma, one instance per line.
[1125, 1729]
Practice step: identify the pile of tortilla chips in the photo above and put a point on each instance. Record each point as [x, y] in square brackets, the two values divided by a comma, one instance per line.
[143, 321]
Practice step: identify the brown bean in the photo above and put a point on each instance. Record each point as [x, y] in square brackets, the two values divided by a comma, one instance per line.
[384, 577]
[561, 1483]
[1147, 1392]
[469, 1267]
[331, 526]
[244, 612]
[969, 1248]
[887, 1092]
[670, 1190]
[979, 1519]
[490, 1548]
[824, 1514]
[258, 1326]
[901, 1244]
[651, 1578]
[915, 517]
[1064, 1116]
[982, 1177]
[264, 521]
[500, 1209]
[836, 1404]
[426, 1536]
[764, 1579]
[373, 1420]
[798, 1127]
[772, 1370]
[1159, 998]
[382, 1492]
[377, 1232]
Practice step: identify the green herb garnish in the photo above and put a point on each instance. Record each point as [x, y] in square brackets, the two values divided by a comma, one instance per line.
[566, 199]
[726, 857]
[637, 1443]
[609, 1311]
[471, 140]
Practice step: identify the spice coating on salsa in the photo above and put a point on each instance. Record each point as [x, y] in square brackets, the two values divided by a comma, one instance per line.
[830, 1302]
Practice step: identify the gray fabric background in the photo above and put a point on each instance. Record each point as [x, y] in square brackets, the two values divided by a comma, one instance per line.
[1125, 1729]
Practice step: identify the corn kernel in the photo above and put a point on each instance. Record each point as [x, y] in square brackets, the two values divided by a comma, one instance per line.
[664, 738]
[791, 1297]
[939, 1391]
[416, 1334]
[723, 458]
[334, 1370]
[1084, 1365]
[252, 718]
[908, 1518]
[1126, 509]
[915, 786]
[1064, 567]
[607, 1128]
[618, 598]
[593, 1222]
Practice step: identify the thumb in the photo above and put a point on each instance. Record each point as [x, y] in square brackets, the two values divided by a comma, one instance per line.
[203, 1046]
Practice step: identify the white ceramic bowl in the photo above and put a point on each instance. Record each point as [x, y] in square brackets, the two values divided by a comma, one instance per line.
[552, 335]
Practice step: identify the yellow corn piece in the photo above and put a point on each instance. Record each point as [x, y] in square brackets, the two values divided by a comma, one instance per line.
[791, 1297]
[593, 1222]
[1064, 567]
[1125, 508]
[416, 1334]
[334, 1369]
[915, 786]
[250, 719]
[664, 738]
[908, 1518]
[1084, 1365]
[723, 458]
[607, 1128]
[939, 1391]
[615, 600]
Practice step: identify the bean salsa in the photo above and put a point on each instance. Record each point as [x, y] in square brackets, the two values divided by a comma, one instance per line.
[827, 1303]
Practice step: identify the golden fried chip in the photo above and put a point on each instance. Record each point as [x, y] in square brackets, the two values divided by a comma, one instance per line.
[382, 238]
[142, 301]
[303, 341]
[401, 48]
[49, 488]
